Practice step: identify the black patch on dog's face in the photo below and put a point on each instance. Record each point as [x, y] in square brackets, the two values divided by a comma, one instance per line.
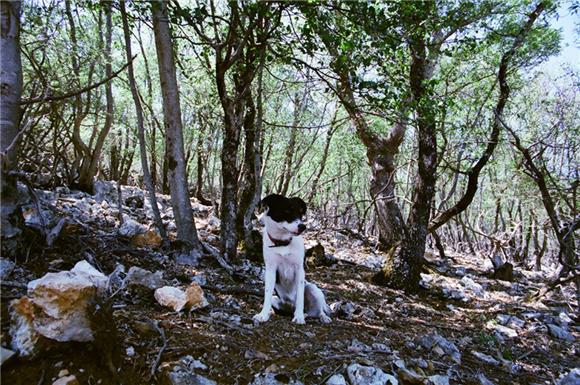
[282, 209]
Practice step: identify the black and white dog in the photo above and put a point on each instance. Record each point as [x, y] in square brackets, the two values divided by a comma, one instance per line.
[283, 247]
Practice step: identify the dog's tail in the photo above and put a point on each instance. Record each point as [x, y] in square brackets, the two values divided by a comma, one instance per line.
[284, 309]
[327, 309]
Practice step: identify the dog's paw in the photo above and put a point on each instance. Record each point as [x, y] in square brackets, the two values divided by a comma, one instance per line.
[299, 319]
[261, 317]
[325, 319]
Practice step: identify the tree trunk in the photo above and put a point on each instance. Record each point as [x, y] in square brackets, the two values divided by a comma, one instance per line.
[403, 269]
[11, 84]
[140, 127]
[251, 190]
[186, 231]
[287, 172]
[329, 134]
[381, 153]
[90, 163]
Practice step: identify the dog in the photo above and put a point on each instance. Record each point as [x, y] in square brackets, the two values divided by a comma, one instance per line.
[283, 248]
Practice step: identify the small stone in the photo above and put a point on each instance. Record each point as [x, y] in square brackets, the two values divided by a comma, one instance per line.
[131, 227]
[369, 375]
[382, 348]
[192, 258]
[171, 297]
[63, 372]
[195, 297]
[6, 268]
[426, 280]
[255, 355]
[441, 346]
[68, 380]
[485, 358]
[273, 379]
[5, 354]
[191, 363]
[572, 378]
[509, 320]
[560, 333]
[137, 276]
[130, 351]
[473, 286]
[409, 376]
[503, 330]
[357, 347]
[419, 362]
[483, 380]
[564, 320]
[439, 380]
[336, 379]
[150, 238]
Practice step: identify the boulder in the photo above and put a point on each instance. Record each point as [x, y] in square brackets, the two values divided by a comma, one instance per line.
[57, 306]
[369, 375]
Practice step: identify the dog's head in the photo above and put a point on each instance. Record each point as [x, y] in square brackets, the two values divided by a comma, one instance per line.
[284, 215]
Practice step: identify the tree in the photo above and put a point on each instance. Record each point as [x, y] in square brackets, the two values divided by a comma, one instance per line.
[473, 173]
[11, 82]
[238, 46]
[90, 153]
[140, 126]
[186, 231]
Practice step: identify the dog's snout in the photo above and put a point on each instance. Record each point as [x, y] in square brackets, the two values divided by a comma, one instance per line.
[301, 227]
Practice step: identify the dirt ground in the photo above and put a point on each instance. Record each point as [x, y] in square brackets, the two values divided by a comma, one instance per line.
[373, 325]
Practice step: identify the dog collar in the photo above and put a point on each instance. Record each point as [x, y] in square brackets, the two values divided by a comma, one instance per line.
[279, 242]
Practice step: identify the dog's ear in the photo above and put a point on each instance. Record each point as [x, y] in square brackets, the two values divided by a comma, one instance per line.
[269, 201]
[301, 205]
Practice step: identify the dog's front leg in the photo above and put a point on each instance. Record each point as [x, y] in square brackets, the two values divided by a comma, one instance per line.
[299, 312]
[269, 282]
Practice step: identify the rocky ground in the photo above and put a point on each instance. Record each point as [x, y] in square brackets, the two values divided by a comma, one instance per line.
[97, 316]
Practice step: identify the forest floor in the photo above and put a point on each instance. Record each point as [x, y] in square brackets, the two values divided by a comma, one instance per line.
[485, 328]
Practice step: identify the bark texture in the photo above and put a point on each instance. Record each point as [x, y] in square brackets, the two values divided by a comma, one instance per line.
[140, 126]
[402, 269]
[10, 95]
[186, 231]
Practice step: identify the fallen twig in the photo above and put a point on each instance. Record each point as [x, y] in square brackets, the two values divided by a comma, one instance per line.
[161, 332]
[232, 290]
